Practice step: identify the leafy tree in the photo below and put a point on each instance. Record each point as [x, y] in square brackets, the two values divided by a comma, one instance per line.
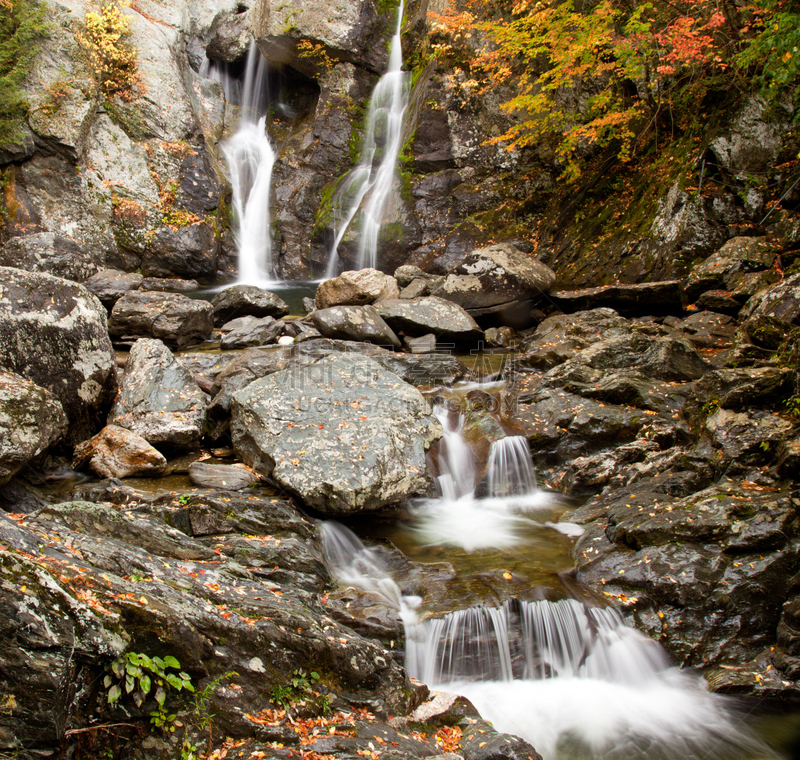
[22, 29]
[616, 75]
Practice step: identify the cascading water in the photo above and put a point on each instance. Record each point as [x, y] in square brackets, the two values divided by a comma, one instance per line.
[459, 518]
[575, 682]
[250, 157]
[370, 186]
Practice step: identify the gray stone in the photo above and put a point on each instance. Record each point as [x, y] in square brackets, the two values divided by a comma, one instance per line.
[171, 317]
[109, 285]
[247, 332]
[493, 276]
[189, 251]
[360, 323]
[424, 344]
[31, 420]
[169, 285]
[246, 300]
[225, 477]
[159, 398]
[748, 437]
[719, 300]
[416, 289]
[782, 301]
[641, 298]
[116, 452]
[407, 273]
[343, 434]
[356, 288]
[53, 332]
[420, 316]
[54, 254]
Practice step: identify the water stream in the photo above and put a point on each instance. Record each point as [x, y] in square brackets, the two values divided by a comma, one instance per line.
[250, 157]
[573, 679]
[369, 188]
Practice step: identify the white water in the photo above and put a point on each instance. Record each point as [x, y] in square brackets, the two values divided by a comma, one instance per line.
[370, 187]
[458, 517]
[250, 157]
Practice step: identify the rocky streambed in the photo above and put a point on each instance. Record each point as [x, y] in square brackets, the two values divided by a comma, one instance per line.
[193, 613]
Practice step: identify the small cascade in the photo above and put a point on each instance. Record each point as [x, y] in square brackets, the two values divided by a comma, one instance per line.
[510, 470]
[458, 517]
[353, 564]
[576, 682]
[456, 460]
[370, 186]
[250, 157]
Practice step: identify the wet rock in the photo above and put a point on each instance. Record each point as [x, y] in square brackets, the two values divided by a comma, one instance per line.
[497, 275]
[226, 477]
[247, 332]
[782, 301]
[109, 285]
[53, 254]
[789, 457]
[31, 420]
[706, 573]
[171, 317]
[707, 329]
[420, 316]
[159, 398]
[480, 741]
[416, 289]
[719, 300]
[118, 453]
[360, 323]
[246, 300]
[739, 389]
[53, 332]
[356, 288]
[169, 285]
[343, 435]
[407, 273]
[425, 344]
[725, 269]
[747, 437]
[501, 337]
[189, 251]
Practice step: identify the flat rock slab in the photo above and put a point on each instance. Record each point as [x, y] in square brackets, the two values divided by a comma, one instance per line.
[116, 452]
[356, 288]
[420, 316]
[361, 323]
[159, 398]
[643, 298]
[109, 285]
[54, 254]
[225, 477]
[249, 332]
[344, 435]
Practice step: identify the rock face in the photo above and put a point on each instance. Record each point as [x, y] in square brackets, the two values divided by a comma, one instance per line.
[246, 332]
[116, 452]
[53, 332]
[362, 323]
[708, 573]
[356, 288]
[246, 301]
[343, 434]
[31, 420]
[171, 317]
[159, 398]
[53, 254]
[109, 285]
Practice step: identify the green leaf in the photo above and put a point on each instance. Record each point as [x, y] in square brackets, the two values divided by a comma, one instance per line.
[159, 663]
[114, 693]
[161, 695]
[107, 681]
[145, 684]
[171, 662]
[129, 684]
[174, 681]
[118, 668]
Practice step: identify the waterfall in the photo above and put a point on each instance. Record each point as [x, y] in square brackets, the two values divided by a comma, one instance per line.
[576, 682]
[369, 187]
[250, 158]
[353, 564]
[458, 517]
[510, 470]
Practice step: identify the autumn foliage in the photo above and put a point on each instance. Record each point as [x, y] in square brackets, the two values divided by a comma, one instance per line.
[615, 75]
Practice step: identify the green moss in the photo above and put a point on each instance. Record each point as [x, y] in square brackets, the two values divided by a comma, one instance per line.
[128, 118]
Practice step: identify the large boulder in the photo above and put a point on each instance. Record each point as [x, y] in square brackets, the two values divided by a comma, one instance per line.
[171, 317]
[247, 332]
[493, 276]
[356, 288]
[53, 332]
[419, 316]
[246, 301]
[187, 251]
[31, 420]
[54, 254]
[343, 434]
[159, 398]
[118, 453]
[109, 285]
[641, 298]
[362, 323]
